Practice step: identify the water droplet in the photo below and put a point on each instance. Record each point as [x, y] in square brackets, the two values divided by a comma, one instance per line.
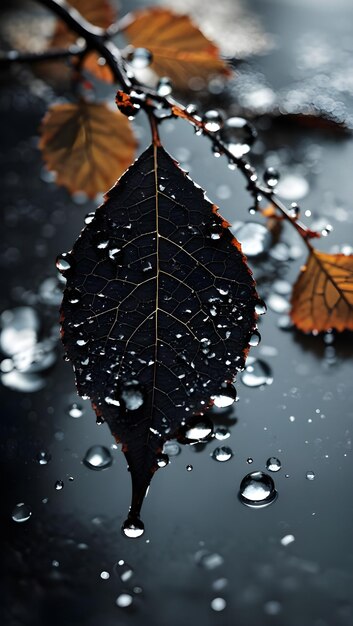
[26, 383]
[89, 217]
[63, 262]
[189, 468]
[124, 600]
[213, 121]
[255, 238]
[59, 485]
[162, 460]
[171, 448]
[19, 329]
[257, 490]
[271, 177]
[98, 458]
[216, 230]
[197, 430]
[133, 528]
[226, 397]
[104, 575]
[123, 570]
[249, 460]
[256, 373]
[260, 307]
[208, 560]
[255, 339]
[21, 512]
[75, 410]
[278, 303]
[132, 396]
[239, 135]
[282, 287]
[222, 433]
[287, 539]
[293, 187]
[140, 58]
[43, 457]
[218, 604]
[310, 475]
[273, 464]
[164, 86]
[222, 454]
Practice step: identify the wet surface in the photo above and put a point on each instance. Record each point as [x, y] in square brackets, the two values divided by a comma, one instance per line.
[204, 557]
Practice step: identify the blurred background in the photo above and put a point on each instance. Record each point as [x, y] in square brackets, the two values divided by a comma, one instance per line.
[205, 557]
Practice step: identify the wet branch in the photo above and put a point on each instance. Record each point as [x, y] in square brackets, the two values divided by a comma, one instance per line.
[98, 39]
[13, 56]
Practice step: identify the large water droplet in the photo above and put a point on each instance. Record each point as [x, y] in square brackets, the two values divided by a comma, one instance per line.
[140, 58]
[133, 528]
[239, 135]
[21, 512]
[213, 121]
[226, 397]
[222, 454]
[257, 490]
[98, 458]
[273, 464]
[255, 238]
[256, 373]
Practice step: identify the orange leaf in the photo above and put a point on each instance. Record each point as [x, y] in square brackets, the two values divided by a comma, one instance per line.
[323, 294]
[179, 49]
[97, 12]
[87, 145]
[96, 65]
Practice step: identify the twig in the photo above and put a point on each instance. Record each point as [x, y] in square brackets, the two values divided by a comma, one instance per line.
[13, 56]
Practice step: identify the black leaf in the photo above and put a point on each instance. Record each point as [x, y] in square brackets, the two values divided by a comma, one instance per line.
[157, 313]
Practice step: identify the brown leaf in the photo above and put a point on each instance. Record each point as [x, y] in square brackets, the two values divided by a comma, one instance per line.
[96, 65]
[323, 294]
[87, 145]
[179, 49]
[97, 12]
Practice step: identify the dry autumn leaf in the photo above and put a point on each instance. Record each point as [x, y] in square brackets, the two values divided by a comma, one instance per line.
[323, 294]
[87, 145]
[180, 51]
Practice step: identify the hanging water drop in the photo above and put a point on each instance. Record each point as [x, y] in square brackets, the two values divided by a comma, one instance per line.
[257, 490]
[139, 58]
[63, 262]
[98, 458]
[239, 135]
[213, 121]
[222, 454]
[260, 307]
[273, 464]
[271, 177]
[133, 528]
[255, 339]
[21, 512]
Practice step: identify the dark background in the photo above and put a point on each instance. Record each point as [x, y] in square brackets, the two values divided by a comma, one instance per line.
[52, 563]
